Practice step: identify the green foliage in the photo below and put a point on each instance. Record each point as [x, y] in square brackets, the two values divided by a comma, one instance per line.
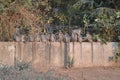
[106, 18]
[6, 70]
[62, 18]
[104, 41]
[118, 54]
[1, 8]
[5, 4]
[103, 15]
[22, 65]
[25, 3]
[11, 73]
[116, 58]
[118, 14]
[119, 37]
[96, 37]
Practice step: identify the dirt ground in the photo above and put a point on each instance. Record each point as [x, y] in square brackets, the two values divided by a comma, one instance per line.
[99, 73]
[108, 73]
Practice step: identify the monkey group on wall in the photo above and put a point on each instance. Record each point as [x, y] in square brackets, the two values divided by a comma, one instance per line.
[60, 37]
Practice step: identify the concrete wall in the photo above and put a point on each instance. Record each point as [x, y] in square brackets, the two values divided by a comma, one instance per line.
[7, 53]
[55, 54]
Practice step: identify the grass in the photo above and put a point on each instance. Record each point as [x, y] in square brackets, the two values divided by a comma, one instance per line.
[23, 71]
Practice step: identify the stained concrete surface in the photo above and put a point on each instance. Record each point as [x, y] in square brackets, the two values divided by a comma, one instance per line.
[55, 54]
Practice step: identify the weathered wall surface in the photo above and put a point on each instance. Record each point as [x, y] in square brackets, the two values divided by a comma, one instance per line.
[7, 53]
[56, 54]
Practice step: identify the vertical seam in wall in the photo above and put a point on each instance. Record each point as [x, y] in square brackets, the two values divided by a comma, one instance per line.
[92, 51]
[73, 51]
[14, 54]
[100, 52]
[65, 54]
[32, 52]
[103, 53]
[19, 50]
[61, 51]
[50, 53]
[22, 51]
[81, 50]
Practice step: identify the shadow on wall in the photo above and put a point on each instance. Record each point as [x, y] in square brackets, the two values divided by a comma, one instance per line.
[50, 53]
[115, 49]
[65, 54]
